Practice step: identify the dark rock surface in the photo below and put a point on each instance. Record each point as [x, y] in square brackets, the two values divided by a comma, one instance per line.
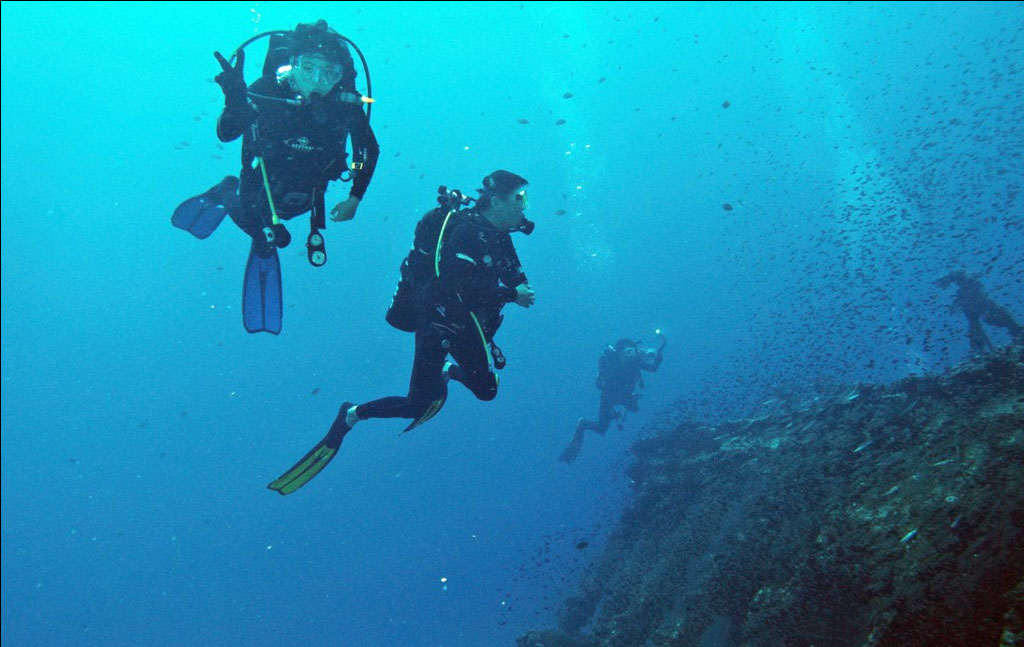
[878, 516]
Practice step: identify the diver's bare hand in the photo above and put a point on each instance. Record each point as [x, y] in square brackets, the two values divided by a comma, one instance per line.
[345, 210]
[525, 296]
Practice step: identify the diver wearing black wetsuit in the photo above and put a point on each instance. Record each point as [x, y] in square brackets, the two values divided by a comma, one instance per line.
[618, 375]
[480, 272]
[302, 147]
[294, 121]
[454, 310]
[977, 306]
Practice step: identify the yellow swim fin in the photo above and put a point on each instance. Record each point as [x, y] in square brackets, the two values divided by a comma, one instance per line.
[316, 459]
[431, 411]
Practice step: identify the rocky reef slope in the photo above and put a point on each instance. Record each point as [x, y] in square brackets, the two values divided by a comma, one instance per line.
[880, 516]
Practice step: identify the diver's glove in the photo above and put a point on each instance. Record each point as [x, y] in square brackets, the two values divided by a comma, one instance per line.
[232, 79]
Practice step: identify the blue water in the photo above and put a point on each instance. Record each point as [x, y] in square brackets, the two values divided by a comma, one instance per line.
[866, 150]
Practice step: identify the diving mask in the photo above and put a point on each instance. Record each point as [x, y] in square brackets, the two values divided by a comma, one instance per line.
[317, 72]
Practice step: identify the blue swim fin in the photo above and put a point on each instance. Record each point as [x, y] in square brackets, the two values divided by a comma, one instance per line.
[201, 215]
[261, 291]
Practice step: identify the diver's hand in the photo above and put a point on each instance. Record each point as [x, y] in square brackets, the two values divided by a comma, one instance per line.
[525, 296]
[345, 210]
[232, 79]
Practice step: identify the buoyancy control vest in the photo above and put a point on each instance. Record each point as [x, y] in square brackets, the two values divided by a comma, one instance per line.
[417, 290]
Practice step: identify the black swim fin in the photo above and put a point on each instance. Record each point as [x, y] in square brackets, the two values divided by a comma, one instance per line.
[316, 459]
[575, 445]
[261, 290]
[202, 214]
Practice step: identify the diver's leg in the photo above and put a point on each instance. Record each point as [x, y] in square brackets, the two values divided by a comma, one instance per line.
[472, 364]
[253, 208]
[607, 412]
[1000, 317]
[979, 341]
[426, 386]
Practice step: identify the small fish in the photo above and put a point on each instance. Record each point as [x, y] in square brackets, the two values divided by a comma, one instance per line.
[523, 121]
[862, 447]
[567, 95]
[315, 391]
[560, 212]
[560, 122]
[726, 104]
[910, 535]
[583, 544]
[727, 207]
[601, 80]
[893, 490]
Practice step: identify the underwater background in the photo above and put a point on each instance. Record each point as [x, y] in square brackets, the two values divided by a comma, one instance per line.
[775, 186]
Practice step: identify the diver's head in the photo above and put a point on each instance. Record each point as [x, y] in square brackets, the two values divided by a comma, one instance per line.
[504, 201]
[319, 59]
[627, 347]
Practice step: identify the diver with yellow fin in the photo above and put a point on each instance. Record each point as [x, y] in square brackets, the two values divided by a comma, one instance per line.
[294, 122]
[462, 270]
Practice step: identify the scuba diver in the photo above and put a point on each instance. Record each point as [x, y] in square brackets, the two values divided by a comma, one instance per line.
[977, 306]
[461, 271]
[618, 374]
[294, 121]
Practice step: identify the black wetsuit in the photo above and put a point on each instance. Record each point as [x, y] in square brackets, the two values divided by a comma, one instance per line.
[617, 377]
[977, 306]
[303, 148]
[479, 271]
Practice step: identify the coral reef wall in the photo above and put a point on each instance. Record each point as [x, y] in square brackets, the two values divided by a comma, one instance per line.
[876, 516]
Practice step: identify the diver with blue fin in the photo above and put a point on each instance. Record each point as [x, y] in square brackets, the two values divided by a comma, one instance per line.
[294, 122]
[461, 272]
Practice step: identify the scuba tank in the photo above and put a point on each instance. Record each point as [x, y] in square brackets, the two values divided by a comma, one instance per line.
[415, 289]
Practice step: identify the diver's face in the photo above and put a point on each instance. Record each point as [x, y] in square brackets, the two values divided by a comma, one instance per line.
[511, 208]
[629, 352]
[313, 74]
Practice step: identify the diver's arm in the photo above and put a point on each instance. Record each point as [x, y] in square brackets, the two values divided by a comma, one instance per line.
[512, 273]
[235, 119]
[364, 145]
[461, 265]
[236, 100]
[651, 360]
